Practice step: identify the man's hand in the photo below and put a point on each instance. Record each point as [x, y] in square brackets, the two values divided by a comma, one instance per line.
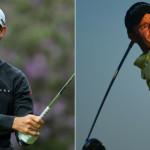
[29, 124]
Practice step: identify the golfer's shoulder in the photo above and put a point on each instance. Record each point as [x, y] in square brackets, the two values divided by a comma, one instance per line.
[10, 70]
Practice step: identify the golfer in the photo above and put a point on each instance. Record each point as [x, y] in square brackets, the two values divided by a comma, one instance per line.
[16, 102]
[137, 22]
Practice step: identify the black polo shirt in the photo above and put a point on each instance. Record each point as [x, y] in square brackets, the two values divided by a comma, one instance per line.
[15, 100]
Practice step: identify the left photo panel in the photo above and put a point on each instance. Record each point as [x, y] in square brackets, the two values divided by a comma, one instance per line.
[37, 75]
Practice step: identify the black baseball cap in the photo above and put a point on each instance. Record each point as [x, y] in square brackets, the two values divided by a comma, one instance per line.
[135, 14]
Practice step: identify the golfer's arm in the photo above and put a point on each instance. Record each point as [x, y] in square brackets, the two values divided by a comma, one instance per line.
[23, 100]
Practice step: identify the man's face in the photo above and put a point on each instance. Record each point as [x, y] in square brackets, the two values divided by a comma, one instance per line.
[142, 33]
[2, 31]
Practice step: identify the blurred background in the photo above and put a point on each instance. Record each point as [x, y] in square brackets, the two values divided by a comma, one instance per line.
[40, 41]
[101, 41]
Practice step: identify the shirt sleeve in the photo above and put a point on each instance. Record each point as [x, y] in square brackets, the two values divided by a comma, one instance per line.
[6, 122]
[143, 62]
[23, 100]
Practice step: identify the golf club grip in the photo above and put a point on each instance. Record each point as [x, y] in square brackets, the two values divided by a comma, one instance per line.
[47, 109]
[43, 114]
[110, 85]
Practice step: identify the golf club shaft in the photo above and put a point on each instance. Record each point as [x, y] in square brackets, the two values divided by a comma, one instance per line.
[29, 139]
[43, 114]
[110, 85]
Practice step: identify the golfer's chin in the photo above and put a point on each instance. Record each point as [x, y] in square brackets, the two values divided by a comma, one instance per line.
[145, 47]
[148, 46]
[146, 50]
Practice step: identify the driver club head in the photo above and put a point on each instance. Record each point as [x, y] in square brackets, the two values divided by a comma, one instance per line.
[93, 144]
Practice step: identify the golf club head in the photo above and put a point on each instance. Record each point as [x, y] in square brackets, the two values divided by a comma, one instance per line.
[93, 144]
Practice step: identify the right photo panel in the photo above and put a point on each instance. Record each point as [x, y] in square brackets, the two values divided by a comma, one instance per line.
[112, 75]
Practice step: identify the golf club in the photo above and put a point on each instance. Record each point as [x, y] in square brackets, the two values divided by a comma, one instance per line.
[94, 144]
[29, 139]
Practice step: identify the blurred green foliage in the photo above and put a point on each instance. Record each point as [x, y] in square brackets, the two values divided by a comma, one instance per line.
[40, 41]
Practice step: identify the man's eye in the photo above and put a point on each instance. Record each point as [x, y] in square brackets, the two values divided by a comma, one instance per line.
[144, 27]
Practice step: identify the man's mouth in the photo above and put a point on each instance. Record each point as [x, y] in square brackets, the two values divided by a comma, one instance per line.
[148, 39]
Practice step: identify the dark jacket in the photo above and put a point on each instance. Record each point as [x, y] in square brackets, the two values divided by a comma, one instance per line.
[15, 100]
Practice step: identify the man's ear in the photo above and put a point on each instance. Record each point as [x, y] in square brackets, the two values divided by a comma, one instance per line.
[2, 31]
[133, 37]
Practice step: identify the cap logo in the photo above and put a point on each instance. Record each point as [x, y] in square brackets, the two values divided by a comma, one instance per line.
[136, 7]
[2, 22]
